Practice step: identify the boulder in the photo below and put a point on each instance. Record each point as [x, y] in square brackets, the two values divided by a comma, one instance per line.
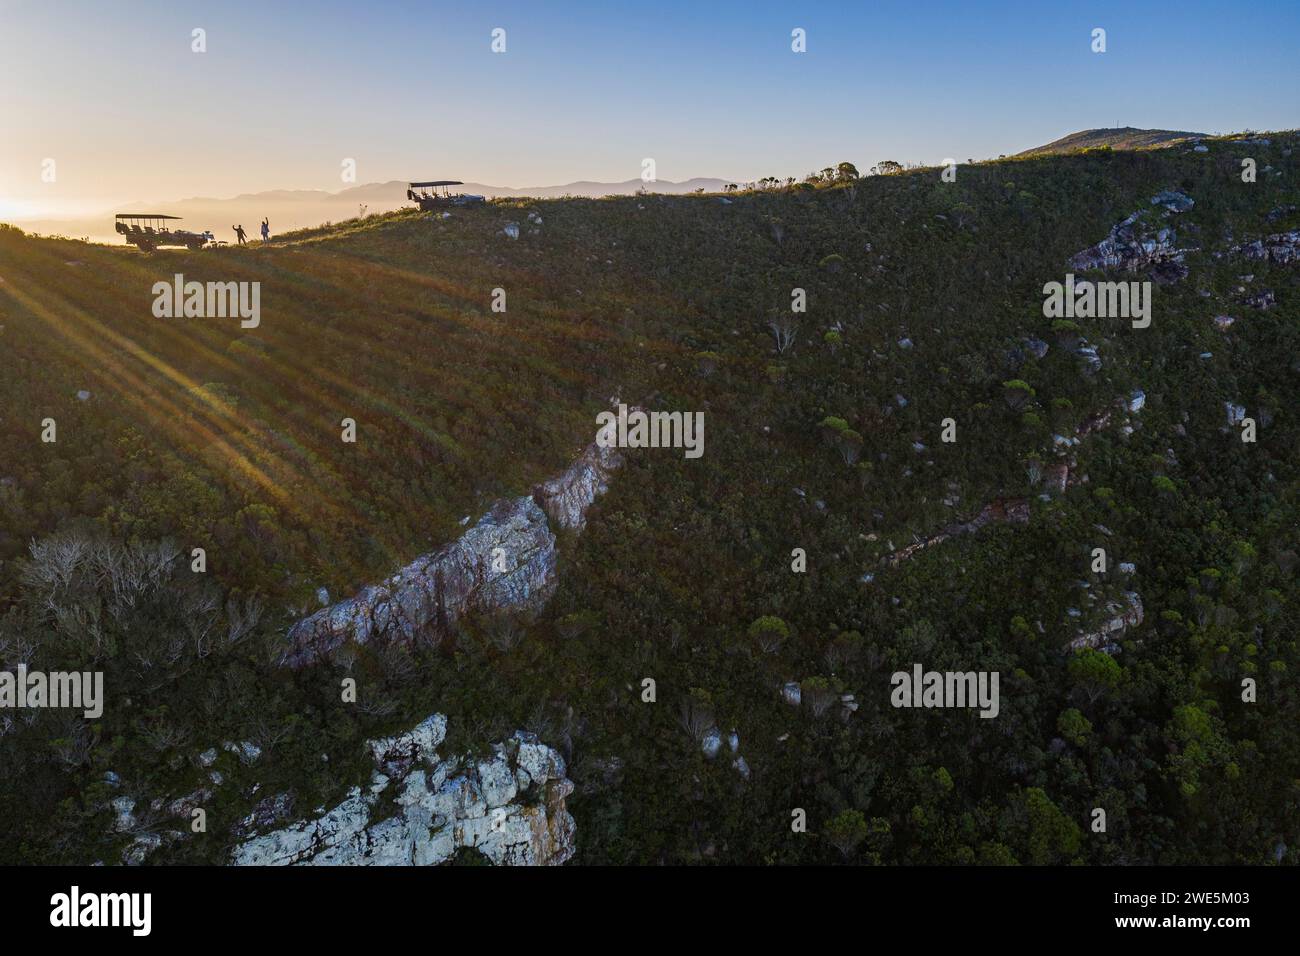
[1036, 347]
[1263, 299]
[712, 743]
[245, 750]
[123, 813]
[1173, 201]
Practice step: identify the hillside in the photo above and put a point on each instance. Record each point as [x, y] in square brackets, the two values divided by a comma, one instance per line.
[1122, 137]
[925, 302]
[289, 209]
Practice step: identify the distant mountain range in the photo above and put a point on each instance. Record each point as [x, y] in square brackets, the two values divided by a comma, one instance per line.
[1120, 137]
[289, 209]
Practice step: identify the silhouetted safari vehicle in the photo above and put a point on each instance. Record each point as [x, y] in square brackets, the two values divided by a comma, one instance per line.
[150, 230]
[428, 197]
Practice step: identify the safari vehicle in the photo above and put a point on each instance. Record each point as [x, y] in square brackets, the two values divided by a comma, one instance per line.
[428, 197]
[149, 231]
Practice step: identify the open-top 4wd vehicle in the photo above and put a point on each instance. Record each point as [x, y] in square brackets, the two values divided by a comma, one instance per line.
[151, 230]
[428, 197]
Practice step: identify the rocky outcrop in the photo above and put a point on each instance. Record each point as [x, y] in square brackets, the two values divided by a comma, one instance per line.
[506, 561]
[1122, 617]
[1131, 247]
[1173, 201]
[998, 511]
[1282, 248]
[510, 807]
[566, 499]
[1054, 478]
[1260, 299]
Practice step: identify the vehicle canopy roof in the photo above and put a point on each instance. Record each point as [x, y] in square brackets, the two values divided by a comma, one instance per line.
[439, 182]
[144, 215]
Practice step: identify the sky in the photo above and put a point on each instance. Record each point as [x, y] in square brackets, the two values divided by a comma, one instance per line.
[115, 95]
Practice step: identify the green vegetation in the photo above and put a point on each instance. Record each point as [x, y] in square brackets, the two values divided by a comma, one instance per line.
[198, 433]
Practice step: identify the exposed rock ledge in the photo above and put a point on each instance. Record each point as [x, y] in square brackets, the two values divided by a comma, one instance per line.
[1121, 619]
[505, 562]
[510, 808]
[565, 499]
[1000, 510]
[1282, 248]
[1055, 479]
[1128, 249]
[1132, 246]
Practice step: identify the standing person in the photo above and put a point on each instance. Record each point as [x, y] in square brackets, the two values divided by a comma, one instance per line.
[266, 229]
[240, 234]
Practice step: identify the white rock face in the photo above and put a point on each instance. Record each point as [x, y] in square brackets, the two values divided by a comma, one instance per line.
[507, 560]
[397, 754]
[1131, 245]
[566, 499]
[510, 807]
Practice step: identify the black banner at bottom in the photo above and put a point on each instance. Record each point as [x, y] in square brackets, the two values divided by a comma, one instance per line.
[341, 906]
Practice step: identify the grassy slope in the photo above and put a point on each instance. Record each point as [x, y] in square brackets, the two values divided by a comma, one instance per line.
[387, 321]
[202, 420]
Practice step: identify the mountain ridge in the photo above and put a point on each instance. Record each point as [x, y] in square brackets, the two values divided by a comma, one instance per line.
[1118, 137]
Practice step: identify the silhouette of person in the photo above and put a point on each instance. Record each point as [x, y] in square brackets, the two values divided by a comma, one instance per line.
[239, 233]
[266, 229]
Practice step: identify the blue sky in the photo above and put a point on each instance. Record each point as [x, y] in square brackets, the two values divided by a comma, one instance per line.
[287, 90]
